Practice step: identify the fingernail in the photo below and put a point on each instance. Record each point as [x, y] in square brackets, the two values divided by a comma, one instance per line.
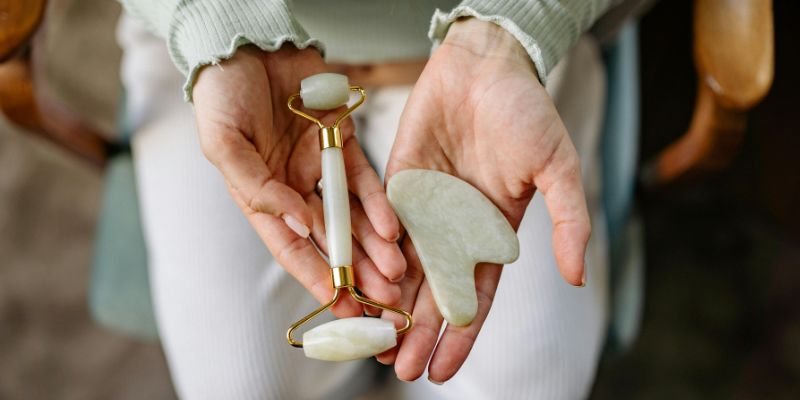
[297, 226]
[369, 312]
[583, 279]
[435, 382]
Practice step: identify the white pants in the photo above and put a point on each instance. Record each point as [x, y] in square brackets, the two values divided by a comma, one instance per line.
[223, 303]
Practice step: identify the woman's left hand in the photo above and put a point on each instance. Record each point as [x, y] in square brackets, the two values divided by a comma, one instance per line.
[478, 112]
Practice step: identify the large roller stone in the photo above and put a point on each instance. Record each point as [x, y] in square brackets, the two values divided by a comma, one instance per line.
[349, 339]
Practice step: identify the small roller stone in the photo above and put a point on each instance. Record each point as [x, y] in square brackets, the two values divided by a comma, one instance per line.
[325, 91]
[349, 339]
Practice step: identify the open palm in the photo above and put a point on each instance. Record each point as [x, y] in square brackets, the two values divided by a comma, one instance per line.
[478, 112]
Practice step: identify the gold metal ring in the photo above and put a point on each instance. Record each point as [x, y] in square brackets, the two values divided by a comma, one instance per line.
[343, 276]
[330, 137]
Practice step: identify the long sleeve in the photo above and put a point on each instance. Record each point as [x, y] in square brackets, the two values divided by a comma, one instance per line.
[545, 28]
[202, 32]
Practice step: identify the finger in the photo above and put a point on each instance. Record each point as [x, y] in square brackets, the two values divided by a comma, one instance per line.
[372, 311]
[409, 288]
[365, 184]
[371, 282]
[560, 183]
[320, 241]
[247, 175]
[456, 341]
[368, 278]
[386, 255]
[318, 217]
[301, 259]
[419, 342]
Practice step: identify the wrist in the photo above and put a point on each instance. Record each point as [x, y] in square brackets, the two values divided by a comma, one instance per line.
[486, 39]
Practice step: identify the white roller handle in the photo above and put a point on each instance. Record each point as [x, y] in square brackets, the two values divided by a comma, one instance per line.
[336, 208]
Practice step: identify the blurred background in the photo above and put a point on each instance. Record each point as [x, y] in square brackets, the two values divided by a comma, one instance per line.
[721, 316]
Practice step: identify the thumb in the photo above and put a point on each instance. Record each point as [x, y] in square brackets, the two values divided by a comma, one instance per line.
[560, 183]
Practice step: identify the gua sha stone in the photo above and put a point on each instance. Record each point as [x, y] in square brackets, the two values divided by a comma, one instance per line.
[453, 227]
[349, 339]
[324, 91]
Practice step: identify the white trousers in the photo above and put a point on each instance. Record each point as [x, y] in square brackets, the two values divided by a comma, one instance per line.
[223, 303]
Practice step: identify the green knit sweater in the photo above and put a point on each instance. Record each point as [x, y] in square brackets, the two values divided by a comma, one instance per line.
[202, 32]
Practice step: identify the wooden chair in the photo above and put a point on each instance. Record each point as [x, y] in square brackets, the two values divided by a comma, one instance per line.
[735, 61]
[119, 291]
[24, 99]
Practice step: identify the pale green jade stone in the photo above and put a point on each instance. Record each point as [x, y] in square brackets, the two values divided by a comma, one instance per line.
[453, 227]
[349, 339]
[324, 91]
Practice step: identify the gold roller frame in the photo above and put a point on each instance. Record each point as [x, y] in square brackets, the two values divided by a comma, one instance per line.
[342, 277]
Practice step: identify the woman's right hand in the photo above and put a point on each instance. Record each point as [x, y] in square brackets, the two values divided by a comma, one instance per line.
[270, 159]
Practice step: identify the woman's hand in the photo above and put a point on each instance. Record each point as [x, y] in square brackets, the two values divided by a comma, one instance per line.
[270, 159]
[478, 112]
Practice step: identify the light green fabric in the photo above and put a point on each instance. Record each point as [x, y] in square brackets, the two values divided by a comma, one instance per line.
[546, 28]
[119, 294]
[202, 32]
[619, 153]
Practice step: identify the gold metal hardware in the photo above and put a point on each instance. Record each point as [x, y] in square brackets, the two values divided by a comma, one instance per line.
[329, 136]
[345, 273]
[343, 277]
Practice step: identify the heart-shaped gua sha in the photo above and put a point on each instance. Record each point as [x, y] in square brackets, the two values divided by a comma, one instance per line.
[453, 227]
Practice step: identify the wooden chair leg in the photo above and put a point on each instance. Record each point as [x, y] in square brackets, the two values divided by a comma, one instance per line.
[712, 141]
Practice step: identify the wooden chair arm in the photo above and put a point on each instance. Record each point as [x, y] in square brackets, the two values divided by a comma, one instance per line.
[21, 19]
[24, 99]
[734, 50]
[734, 58]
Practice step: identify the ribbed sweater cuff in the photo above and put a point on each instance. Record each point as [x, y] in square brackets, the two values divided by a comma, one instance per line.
[205, 32]
[545, 29]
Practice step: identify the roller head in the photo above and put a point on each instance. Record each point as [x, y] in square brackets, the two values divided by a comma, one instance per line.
[349, 339]
[324, 91]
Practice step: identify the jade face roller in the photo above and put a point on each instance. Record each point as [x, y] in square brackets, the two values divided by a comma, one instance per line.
[348, 338]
